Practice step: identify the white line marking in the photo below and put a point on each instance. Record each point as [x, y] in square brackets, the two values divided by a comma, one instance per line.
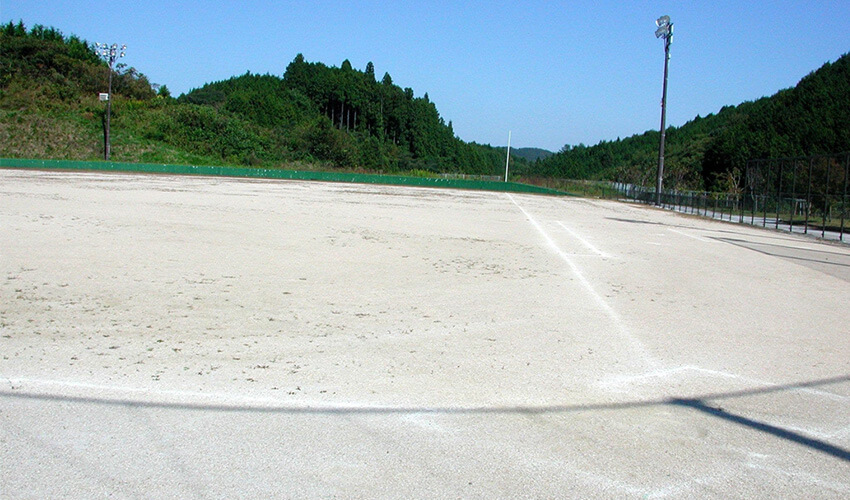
[797, 474]
[704, 240]
[668, 372]
[150, 394]
[637, 346]
[840, 433]
[584, 242]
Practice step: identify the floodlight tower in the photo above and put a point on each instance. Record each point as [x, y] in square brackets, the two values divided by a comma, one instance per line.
[109, 53]
[665, 31]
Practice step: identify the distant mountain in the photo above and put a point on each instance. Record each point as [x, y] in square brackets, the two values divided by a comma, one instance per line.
[531, 154]
[808, 119]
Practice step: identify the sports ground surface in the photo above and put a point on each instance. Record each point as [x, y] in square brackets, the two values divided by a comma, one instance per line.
[216, 338]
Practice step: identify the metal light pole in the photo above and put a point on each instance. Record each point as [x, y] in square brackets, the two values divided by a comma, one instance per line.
[109, 53]
[665, 31]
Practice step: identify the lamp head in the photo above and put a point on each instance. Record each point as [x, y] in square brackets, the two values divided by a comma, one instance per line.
[665, 27]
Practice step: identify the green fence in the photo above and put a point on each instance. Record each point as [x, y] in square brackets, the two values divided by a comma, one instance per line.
[265, 173]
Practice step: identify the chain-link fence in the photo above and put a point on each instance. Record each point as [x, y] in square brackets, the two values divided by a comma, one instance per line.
[805, 195]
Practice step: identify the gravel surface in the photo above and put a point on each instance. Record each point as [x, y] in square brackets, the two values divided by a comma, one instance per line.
[166, 336]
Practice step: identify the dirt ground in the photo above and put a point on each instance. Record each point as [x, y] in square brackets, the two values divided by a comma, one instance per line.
[213, 337]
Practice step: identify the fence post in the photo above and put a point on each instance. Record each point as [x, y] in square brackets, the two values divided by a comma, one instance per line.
[844, 196]
[751, 175]
[809, 194]
[741, 206]
[766, 190]
[793, 197]
[779, 193]
[825, 197]
[721, 205]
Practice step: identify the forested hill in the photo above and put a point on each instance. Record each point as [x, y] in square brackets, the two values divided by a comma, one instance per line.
[318, 116]
[531, 154]
[313, 116]
[348, 117]
[808, 119]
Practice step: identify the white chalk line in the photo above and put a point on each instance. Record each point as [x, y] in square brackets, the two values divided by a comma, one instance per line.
[236, 401]
[841, 433]
[704, 240]
[591, 255]
[637, 346]
[796, 473]
[667, 372]
[167, 396]
[584, 242]
[164, 396]
[600, 481]
[670, 372]
[811, 432]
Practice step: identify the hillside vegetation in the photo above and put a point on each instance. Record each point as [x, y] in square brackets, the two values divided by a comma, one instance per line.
[314, 116]
[808, 119]
[531, 154]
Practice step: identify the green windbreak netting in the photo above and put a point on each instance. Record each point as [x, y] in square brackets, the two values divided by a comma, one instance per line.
[265, 173]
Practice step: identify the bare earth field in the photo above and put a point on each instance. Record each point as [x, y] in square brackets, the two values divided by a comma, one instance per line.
[197, 337]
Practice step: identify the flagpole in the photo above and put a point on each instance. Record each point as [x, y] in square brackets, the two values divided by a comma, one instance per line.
[508, 156]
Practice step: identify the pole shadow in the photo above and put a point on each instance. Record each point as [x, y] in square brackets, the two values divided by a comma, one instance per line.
[795, 437]
[698, 403]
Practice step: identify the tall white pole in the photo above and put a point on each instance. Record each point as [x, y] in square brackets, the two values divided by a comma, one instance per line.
[508, 156]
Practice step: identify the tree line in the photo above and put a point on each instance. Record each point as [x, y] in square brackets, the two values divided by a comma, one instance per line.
[313, 114]
[63, 68]
[348, 117]
[322, 116]
[711, 152]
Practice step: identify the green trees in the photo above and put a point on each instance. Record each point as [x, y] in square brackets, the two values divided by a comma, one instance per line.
[345, 118]
[807, 119]
[398, 130]
[201, 130]
[62, 67]
[332, 117]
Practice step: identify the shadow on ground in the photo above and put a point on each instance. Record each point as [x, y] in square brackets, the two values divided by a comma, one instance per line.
[701, 404]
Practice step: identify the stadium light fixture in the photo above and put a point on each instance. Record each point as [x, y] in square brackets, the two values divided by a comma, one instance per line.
[665, 31]
[109, 53]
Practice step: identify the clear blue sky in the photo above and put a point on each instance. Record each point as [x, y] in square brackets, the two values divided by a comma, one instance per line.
[552, 72]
